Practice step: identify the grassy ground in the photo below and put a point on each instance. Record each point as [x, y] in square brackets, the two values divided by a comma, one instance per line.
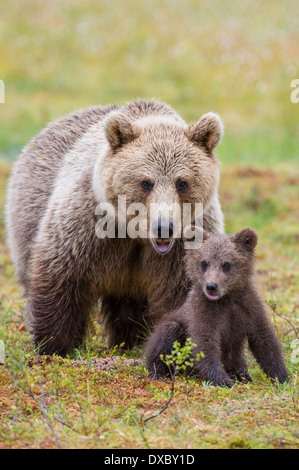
[56, 402]
[235, 58]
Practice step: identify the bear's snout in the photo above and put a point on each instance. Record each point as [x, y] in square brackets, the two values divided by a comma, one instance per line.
[212, 291]
[211, 286]
[163, 230]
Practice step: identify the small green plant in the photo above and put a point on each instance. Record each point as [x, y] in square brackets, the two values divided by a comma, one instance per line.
[115, 349]
[181, 356]
[178, 360]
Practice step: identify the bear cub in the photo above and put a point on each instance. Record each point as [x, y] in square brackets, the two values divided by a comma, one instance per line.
[221, 311]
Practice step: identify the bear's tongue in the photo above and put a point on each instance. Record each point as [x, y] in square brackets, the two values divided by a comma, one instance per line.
[162, 245]
[213, 296]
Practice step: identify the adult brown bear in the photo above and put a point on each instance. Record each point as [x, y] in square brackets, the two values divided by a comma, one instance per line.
[143, 150]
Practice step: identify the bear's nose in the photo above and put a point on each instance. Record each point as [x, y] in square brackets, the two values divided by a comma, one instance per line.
[163, 230]
[211, 286]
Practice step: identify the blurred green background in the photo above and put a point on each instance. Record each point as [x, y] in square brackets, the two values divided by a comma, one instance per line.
[235, 58]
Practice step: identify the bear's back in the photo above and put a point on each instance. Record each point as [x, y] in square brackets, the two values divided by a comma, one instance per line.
[33, 177]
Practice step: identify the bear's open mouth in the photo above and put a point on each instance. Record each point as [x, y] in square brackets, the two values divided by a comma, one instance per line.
[162, 246]
[213, 296]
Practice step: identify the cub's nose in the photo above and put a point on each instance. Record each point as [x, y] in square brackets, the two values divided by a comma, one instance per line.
[163, 230]
[211, 286]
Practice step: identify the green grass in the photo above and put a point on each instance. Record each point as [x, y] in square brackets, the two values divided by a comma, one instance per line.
[235, 58]
[51, 402]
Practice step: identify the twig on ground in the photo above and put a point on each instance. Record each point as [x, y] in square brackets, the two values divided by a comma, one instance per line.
[42, 407]
[167, 403]
[273, 306]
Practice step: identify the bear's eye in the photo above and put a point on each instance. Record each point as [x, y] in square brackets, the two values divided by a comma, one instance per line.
[146, 185]
[204, 265]
[226, 267]
[181, 186]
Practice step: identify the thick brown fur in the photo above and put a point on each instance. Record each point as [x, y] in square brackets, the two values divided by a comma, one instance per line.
[220, 327]
[76, 163]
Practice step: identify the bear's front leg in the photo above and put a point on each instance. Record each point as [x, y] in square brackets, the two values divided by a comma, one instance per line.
[61, 293]
[124, 320]
[209, 366]
[210, 369]
[266, 349]
[160, 342]
[58, 312]
[264, 343]
[239, 373]
[233, 360]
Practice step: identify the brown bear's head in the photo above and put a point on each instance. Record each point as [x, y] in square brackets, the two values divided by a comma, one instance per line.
[223, 263]
[159, 162]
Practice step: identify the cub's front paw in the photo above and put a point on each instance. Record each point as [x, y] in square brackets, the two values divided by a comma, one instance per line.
[239, 374]
[222, 382]
[219, 378]
[279, 372]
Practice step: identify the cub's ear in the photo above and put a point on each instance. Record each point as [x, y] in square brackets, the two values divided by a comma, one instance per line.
[207, 132]
[120, 130]
[247, 238]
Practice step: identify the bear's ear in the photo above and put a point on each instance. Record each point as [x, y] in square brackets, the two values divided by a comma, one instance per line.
[207, 132]
[120, 130]
[247, 238]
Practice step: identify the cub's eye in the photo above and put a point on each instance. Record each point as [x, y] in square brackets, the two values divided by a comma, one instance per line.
[181, 186]
[226, 267]
[204, 265]
[146, 185]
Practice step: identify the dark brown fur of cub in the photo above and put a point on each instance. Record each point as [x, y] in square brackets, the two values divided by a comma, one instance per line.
[222, 310]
